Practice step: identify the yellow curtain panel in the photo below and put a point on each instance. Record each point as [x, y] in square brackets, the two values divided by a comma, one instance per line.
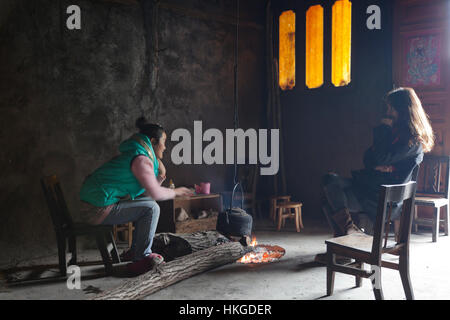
[287, 50]
[341, 43]
[314, 47]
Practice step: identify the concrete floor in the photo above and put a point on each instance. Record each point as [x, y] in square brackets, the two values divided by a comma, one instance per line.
[295, 276]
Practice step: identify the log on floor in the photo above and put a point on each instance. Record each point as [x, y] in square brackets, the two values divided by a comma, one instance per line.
[179, 269]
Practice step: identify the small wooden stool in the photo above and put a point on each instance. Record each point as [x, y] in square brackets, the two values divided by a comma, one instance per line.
[294, 210]
[127, 229]
[274, 201]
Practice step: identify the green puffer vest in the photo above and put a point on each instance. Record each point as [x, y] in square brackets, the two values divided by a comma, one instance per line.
[114, 180]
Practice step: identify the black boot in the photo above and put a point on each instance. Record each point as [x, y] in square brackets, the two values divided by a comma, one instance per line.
[344, 222]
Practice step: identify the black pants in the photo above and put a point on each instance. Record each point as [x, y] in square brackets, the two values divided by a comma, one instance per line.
[340, 193]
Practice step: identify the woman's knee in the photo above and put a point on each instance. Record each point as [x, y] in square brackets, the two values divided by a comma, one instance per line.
[155, 210]
[152, 209]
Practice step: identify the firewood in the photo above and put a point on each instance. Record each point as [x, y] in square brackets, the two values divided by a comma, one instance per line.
[179, 269]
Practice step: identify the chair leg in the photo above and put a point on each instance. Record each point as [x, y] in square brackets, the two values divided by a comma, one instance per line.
[114, 252]
[446, 219]
[415, 225]
[104, 252]
[376, 282]
[358, 281]
[404, 275]
[280, 218]
[61, 241]
[300, 217]
[331, 259]
[435, 225]
[130, 234]
[297, 219]
[378, 293]
[73, 250]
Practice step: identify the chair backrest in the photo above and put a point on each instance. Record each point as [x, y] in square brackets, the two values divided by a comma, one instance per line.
[56, 203]
[390, 194]
[433, 178]
[415, 173]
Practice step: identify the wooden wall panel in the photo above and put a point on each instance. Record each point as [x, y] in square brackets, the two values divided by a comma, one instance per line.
[421, 54]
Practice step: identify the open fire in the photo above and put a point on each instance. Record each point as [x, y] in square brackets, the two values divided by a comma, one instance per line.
[262, 253]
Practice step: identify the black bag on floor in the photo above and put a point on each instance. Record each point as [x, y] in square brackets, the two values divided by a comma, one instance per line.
[235, 221]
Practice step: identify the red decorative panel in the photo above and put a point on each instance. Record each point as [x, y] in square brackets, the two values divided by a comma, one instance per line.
[423, 66]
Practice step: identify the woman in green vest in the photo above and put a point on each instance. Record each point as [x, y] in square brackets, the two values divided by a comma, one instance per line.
[126, 188]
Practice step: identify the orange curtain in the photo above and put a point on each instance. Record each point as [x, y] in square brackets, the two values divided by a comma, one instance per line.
[341, 43]
[287, 50]
[314, 46]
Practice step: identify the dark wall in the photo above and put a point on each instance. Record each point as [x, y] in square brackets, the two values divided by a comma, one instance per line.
[68, 98]
[329, 128]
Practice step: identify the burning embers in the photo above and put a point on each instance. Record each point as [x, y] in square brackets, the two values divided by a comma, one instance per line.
[262, 253]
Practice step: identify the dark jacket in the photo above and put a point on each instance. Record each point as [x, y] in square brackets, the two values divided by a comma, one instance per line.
[390, 147]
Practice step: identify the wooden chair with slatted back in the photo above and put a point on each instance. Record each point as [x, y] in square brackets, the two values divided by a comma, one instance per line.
[68, 230]
[370, 249]
[433, 191]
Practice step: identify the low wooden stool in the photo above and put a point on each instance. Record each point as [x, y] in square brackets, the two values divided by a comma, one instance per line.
[274, 201]
[294, 210]
[128, 228]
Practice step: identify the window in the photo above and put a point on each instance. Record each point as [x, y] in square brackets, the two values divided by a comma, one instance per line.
[314, 47]
[341, 43]
[287, 50]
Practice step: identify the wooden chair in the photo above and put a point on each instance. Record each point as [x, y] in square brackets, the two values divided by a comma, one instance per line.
[274, 201]
[126, 230]
[67, 230]
[291, 210]
[367, 249]
[433, 192]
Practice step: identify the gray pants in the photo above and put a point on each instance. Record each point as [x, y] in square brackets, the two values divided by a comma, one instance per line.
[144, 212]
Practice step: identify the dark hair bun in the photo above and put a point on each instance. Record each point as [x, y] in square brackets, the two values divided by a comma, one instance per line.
[141, 122]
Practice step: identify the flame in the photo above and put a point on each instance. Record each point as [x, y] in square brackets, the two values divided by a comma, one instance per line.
[259, 255]
[249, 256]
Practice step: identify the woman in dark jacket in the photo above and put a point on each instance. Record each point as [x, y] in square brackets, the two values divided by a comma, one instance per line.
[398, 146]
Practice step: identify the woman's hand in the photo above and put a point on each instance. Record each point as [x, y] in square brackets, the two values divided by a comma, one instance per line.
[182, 192]
[385, 168]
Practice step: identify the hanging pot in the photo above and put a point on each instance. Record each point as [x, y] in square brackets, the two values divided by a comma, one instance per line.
[235, 221]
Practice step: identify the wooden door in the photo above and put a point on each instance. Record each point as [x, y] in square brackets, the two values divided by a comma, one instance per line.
[421, 54]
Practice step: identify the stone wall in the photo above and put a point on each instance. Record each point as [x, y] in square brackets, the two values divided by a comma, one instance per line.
[69, 97]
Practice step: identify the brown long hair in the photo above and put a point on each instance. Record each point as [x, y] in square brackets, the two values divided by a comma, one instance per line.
[412, 116]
